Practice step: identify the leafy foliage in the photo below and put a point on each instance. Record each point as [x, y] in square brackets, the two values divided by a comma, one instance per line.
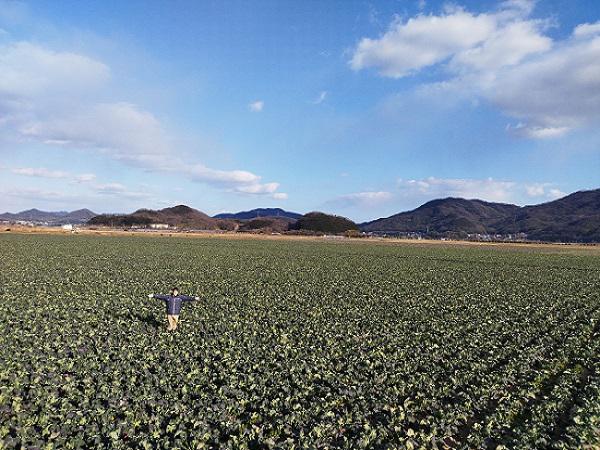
[296, 345]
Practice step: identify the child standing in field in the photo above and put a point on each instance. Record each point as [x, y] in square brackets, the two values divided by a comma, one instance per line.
[173, 302]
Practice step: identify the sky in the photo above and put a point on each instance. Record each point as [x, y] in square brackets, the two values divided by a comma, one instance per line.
[353, 107]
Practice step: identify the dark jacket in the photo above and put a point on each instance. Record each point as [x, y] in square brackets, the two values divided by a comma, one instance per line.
[174, 304]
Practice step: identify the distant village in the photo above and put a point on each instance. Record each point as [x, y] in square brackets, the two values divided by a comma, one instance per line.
[156, 227]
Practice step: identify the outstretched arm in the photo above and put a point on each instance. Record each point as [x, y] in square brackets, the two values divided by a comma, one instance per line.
[158, 296]
[187, 298]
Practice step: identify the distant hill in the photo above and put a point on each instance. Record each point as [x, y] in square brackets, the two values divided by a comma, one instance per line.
[50, 217]
[574, 218]
[180, 216]
[444, 215]
[267, 224]
[259, 212]
[324, 223]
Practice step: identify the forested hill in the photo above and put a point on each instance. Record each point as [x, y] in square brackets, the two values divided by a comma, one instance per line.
[177, 216]
[259, 212]
[449, 214]
[574, 218]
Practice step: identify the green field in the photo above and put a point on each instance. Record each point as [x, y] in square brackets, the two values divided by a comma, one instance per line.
[297, 344]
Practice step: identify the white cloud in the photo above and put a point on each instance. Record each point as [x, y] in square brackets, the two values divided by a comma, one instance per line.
[256, 106]
[240, 181]
[484, 189]
[320, 98]
[40, 172]
[119, 130]
[506, 46]
[544, 190]
[502, 56]
[51, 97]
[488, 189]
[420, 42]
[555, 193]
[255, 188]
[365, 199]
[110, 187]
[516, 8]
[535, 190]
[411, 193]
[555, 92]
[587, 29]
[465, 40]
[537, 132]
[226, 177]
[120, 191]
[96, 198]
[37, 194]
[28, 70]
[85, 177]
[269, 189]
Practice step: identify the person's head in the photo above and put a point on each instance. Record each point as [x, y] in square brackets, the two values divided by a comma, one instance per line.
[174, 291]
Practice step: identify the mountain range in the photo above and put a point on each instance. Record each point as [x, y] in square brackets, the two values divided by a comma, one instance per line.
[52, 218]
[574, 218]
[259, 212]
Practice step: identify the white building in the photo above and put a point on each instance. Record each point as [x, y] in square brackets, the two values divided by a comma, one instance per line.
[67, 227]
[159, 226]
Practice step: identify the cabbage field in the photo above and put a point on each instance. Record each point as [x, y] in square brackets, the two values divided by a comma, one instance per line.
[297, 344]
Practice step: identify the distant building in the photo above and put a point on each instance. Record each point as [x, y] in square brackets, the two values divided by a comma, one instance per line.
[159, 226]
[67, 227]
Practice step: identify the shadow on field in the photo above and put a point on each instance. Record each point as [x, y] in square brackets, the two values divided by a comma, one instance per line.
[148, 318]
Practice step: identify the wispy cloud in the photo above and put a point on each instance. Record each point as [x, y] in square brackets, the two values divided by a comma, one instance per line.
[85, 177]
[410, 193]
[544, 191]
[366, 199]
[321, 98]
[43, 172]
[537, 132]
[40, 172]
[120, 191]
[502, 56]
[39, 195]
[240, 181]
[489, 189]
[116, 190]
[51, 97]
[256, 106]
[93, 197]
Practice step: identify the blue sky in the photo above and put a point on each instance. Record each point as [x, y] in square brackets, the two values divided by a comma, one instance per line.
[359, 108]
